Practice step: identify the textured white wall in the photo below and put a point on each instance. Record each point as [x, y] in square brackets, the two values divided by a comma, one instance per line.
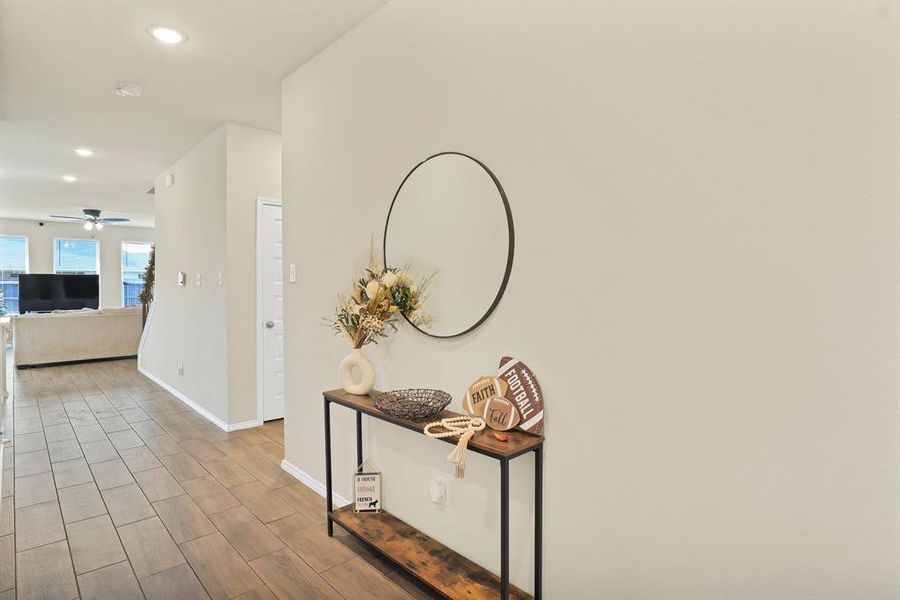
[40, 249]
[206, 223]
[706, 281]
[189, 323]
[254, 170]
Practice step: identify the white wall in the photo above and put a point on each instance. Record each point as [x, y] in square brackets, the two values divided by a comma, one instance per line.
[706, 281]
[40, 249]
[206, 224]
[254, 170]
[187, 326]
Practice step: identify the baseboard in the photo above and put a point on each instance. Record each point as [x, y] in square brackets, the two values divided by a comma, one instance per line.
[313, 484]
[209, 416]
[243, 425]
[80, 361]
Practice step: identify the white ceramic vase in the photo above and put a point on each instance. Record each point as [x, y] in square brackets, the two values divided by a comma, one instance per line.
[356, 359]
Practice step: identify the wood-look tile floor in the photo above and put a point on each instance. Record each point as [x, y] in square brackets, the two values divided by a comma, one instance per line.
[114, 489]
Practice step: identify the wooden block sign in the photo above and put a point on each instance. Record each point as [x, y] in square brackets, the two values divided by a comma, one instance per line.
[500, 413]
[367, 492]
[524, 391]
[479, 392]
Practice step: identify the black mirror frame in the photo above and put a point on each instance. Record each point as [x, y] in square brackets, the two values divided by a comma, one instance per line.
[509, 255]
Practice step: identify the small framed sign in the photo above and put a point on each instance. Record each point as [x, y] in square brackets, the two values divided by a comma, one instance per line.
[367, 490]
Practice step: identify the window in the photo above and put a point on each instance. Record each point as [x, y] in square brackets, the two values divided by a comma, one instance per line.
[13, 262]
[76, 257]
[135, 256]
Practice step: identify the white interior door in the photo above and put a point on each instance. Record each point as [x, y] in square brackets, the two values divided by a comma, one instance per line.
[271, 323]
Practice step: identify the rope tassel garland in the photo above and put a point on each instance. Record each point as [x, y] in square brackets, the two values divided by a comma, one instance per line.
[465, 428]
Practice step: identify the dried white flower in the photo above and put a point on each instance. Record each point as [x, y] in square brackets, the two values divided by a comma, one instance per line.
[372, 289]
[389, 279]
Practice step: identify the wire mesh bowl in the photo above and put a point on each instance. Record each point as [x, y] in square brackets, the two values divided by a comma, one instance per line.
[412, 404]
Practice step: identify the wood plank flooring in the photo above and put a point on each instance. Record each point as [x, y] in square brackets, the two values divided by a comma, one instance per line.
[114, 489]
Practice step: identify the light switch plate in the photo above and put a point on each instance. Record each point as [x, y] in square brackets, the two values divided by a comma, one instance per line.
[182, 277]
[198, 280]
[292, 273]
[221, 278]
[170, 179]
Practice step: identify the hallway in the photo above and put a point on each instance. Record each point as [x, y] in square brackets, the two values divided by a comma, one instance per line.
[114, 489]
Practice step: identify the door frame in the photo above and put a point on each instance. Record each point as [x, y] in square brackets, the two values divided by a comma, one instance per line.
[260, 374]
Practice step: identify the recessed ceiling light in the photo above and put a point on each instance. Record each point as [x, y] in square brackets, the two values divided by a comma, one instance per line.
[85, 152]
[69, 178]
[129, 88]
[168, 35]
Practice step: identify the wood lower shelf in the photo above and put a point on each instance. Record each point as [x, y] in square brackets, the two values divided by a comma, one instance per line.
[437, 566]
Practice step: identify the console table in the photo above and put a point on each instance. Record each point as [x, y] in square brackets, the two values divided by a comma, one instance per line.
[437, 566]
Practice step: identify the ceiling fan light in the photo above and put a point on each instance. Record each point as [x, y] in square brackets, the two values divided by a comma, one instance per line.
[88, 225]
[99, 226]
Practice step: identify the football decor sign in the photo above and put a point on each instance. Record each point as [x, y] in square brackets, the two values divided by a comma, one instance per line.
[523, 390]
[500, 414]
[512, 399]
[367, 490]
[479, 393]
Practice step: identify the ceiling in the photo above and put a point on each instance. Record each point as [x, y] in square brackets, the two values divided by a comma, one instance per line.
[60, 63]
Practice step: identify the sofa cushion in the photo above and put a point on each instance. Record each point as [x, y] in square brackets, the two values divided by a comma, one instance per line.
[44, 338]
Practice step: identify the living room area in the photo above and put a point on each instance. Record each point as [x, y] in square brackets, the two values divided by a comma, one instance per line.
[57, 276]
[142, 398]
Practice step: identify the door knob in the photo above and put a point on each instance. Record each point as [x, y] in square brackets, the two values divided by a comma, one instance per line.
[270, 324]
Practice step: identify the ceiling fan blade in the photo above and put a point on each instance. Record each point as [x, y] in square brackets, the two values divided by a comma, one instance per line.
[66, 217]
[114, 220]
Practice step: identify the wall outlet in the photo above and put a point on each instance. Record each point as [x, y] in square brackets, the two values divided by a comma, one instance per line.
[182, 277]
[439, 490]
[181, 368]
[197, 280]
[292, 273]
[221, 278]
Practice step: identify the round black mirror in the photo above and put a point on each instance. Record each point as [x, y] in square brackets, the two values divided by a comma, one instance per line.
[450, 220]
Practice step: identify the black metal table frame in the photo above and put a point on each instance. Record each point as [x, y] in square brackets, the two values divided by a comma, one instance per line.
[504, 499]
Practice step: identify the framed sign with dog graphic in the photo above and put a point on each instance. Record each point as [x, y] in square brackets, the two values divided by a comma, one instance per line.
[367, 489]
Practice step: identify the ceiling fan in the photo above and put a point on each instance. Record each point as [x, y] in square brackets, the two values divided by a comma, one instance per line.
[92, 219]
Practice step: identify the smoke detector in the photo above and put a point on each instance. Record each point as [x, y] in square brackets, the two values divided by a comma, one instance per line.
[129, 89]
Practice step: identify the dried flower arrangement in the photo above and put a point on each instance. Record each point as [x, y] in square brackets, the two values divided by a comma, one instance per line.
[146, 295]
[377, 300]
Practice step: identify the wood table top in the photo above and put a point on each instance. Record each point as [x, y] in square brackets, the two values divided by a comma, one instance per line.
[483, 442]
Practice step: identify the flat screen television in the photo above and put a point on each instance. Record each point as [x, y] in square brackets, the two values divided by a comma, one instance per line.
[42, 293]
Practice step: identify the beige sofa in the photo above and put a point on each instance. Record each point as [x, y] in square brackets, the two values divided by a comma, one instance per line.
[46, 338]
